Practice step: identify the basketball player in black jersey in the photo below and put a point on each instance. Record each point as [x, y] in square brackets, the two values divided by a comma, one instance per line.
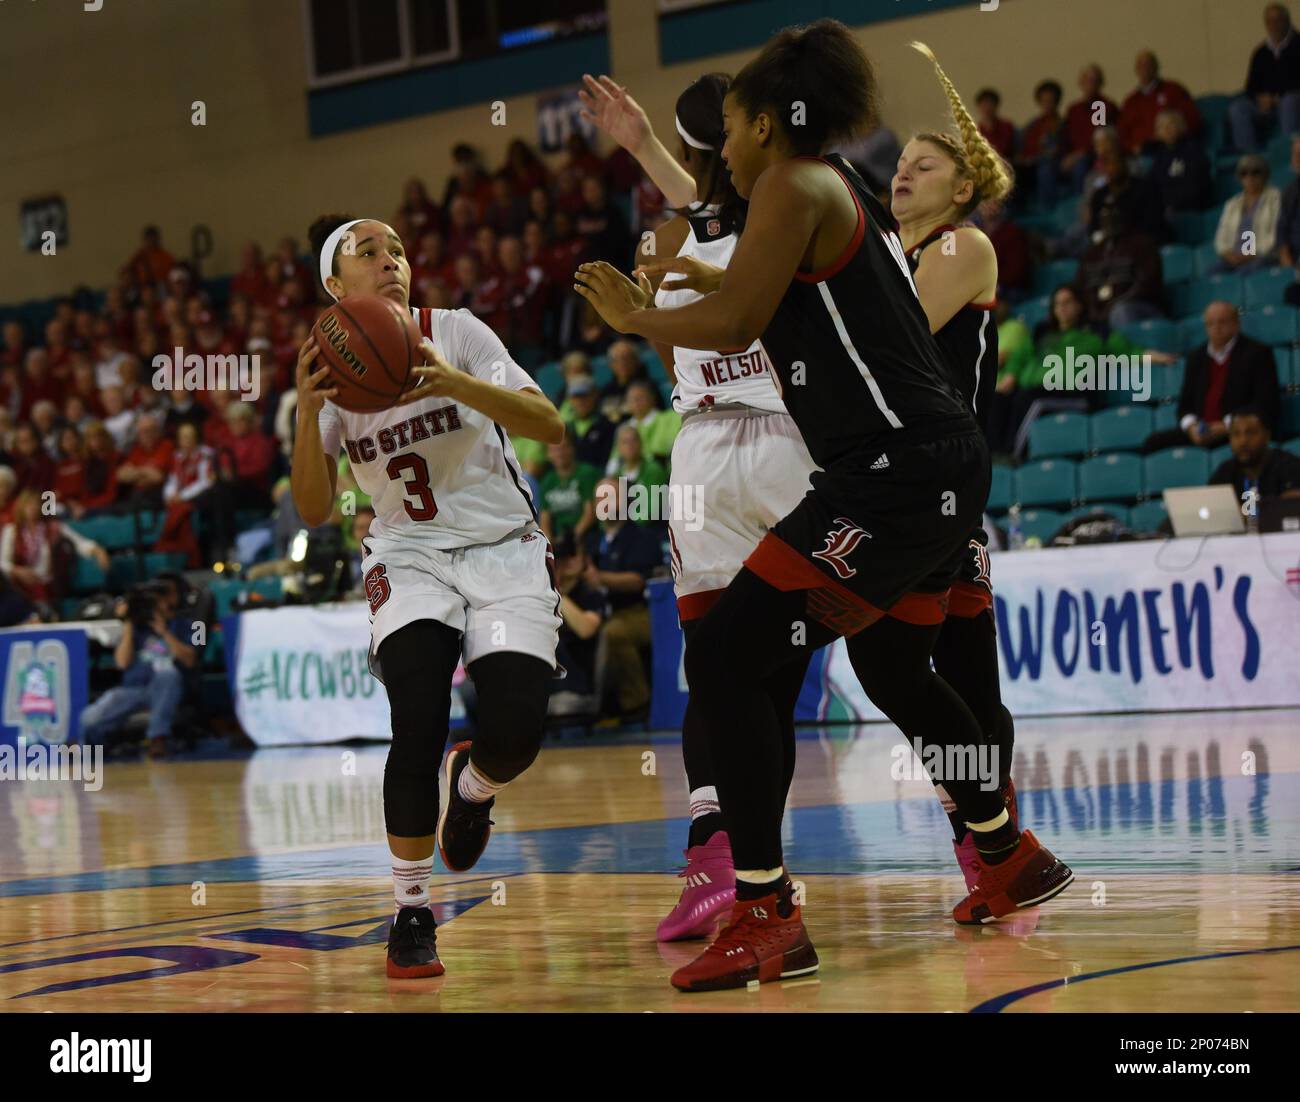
[820, 276]
[941, 179]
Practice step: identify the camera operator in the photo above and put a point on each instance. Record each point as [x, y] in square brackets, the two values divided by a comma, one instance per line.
[151, 654]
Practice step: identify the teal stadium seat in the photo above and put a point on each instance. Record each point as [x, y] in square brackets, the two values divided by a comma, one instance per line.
[1204, 258]
[1119, 428]
[1047, 482]
[87, 576]
[1176, 264]
[1285, 360]
[1268, 288]
[1033, 312]
[551, 380]
[1166, 417]
[1219, 456]
[1058, 434]
[1167, 380]
[1157, 333]
[1191, 333]
[1226, 287]
[1114, 508]
[1175, 467]
[1113, 477]
[1289, 422]
[1048, 277]
[1148, 516]
[1270, 324]
[1214, 117]
[600, 371]
[1292, 446]
[1041, 524]
[1000, 489]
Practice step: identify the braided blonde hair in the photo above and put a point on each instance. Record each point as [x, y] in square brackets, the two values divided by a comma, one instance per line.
[975, 158]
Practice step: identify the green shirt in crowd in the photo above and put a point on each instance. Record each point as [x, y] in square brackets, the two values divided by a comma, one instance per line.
[563, 496]
[1029, 365]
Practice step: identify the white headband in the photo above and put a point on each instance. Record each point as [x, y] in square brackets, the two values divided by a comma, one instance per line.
[687, 138]
[329, 249]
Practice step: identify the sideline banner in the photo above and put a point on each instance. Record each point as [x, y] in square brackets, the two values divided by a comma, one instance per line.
[1159, 625]
[46, 682]
[299, 675]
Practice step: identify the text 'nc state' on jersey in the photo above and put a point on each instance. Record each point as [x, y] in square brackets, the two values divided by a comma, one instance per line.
[403, 433]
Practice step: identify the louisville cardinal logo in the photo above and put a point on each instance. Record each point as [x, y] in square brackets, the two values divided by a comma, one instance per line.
[840, 542]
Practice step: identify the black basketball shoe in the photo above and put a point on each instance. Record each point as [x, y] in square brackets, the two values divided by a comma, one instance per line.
[413, 945]
[463, 827]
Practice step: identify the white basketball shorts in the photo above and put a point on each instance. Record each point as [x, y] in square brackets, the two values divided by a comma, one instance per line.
[500, 597]
[741, 473]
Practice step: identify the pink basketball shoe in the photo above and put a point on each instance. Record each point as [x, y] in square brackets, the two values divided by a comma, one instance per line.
[709, 893]
[969, 860]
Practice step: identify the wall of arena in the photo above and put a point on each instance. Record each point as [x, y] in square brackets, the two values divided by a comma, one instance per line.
[111, 131]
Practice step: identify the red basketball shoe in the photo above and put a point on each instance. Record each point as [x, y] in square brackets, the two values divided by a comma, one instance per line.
[1031, 875]
[968, 857]
[756, 946]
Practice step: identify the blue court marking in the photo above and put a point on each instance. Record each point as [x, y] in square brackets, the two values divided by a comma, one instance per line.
[1114, 828]
[1001, 1002]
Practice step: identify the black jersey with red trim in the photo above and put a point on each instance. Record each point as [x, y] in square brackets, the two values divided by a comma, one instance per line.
[969, 342]
[851, 350]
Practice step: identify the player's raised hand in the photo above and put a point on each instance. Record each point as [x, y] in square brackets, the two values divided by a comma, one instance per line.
[695, 274]
[436, 379]
[612, 294]
[608, 106]
[311, 395]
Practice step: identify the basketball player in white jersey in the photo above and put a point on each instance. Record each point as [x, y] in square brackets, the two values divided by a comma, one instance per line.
[454, 562]
[737, 444]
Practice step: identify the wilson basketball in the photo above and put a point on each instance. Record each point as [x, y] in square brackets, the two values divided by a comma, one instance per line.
[369, 343]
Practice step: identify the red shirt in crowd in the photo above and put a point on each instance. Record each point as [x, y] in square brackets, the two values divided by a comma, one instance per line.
[1039, 135]
[69, 479]
[159, 456]
[250, 456]
[1137, 118]
[1079, 125]
[1001, 136]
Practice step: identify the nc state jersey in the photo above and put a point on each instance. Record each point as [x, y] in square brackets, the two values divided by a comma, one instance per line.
[436, 470]
[705, 378]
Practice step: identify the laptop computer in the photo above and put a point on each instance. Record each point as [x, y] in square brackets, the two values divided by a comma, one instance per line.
[1204, 511]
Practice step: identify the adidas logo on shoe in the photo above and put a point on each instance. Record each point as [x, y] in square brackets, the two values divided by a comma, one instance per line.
[881, 464]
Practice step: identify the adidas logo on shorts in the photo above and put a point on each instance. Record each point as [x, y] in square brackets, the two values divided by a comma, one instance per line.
[881, 464]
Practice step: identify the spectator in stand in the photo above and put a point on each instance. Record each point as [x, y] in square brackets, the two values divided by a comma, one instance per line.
[1180, 169]
[247, 456]
[999, 132]
[110, 357]
[1038, 160]
[1135, 198]
[465, 295]
[1137, 117]
[1272, 84]
[251, 280]
[468, 181]
[567, 195]
[874, 154]
[147, 464]
[70, 473]
[626, 366]
[603, 225]
[100, 474]
[1288, 220]
[31, 462]
[1024, 387]
[1247, 235]
[462, 225]
[431, 263]
[1089, 112]
[45, 420]
[525, 169]
[1011, 244]
[8, 494]
[591, 431]
[658, 427]
[1256, 470]
[623, 558]
[151, 263]
[507, 211]
[582, 159]
[118, 419]
[1228, 373]
[57, 349]
[15, 345]
[36, 386]
[1120, 276]
[75, 414]
[583, 608]
[568, 494]
[420, 212]
[193, 475]
[485, 249]
[629, 461]
[517, 295]
[32, 557]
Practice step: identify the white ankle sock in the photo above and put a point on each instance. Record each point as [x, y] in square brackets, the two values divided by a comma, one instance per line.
[759, 876]
[475, 788]
[992, 824]
[411, 882]
[704, 801]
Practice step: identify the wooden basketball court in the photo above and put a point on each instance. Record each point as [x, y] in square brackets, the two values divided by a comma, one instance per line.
[261, 883]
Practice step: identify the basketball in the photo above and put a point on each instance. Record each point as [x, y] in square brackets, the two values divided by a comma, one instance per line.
[369, 344]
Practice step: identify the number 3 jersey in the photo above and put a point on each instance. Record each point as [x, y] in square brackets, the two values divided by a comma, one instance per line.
[437, 471]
